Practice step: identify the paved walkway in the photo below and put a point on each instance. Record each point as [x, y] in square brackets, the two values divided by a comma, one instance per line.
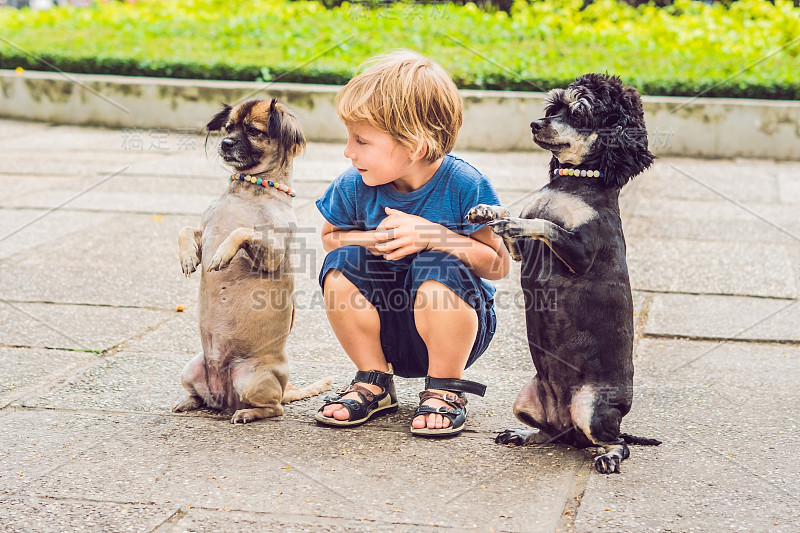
[92, 343]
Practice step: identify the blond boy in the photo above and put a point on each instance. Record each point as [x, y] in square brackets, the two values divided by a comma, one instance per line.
[402, 279]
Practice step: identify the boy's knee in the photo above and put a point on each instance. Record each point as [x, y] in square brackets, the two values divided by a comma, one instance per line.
[336, 281]
[436, 296]
[346, 257]
[349, 259]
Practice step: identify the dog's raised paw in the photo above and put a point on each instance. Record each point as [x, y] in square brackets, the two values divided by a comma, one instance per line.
[218, 262]
[189, 265]
[483, 213]
[507, 227]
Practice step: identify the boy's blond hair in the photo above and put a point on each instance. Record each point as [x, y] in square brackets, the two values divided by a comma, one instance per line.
[409, 97]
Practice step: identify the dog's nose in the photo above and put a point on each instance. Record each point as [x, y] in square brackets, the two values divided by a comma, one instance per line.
[227, 144]
[536, 125]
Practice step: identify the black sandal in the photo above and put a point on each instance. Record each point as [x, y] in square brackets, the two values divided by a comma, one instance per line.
[457, 415]
[371, 404]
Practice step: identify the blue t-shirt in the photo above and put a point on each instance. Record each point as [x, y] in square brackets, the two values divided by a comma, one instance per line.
[457, 186]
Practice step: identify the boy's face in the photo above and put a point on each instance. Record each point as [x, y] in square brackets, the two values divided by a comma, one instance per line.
[376, 155]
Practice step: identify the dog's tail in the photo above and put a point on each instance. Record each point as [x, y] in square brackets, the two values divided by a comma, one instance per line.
[292, 393]
[643, 441]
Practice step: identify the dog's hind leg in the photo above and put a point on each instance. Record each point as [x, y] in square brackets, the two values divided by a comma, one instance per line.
[528, 409]
[193, 379]
[266, 249]
[599, 421]
[260, 390]
[189, 252]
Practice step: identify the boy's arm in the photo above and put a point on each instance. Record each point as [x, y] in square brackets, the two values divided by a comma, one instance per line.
[483, 252]
[334, 237]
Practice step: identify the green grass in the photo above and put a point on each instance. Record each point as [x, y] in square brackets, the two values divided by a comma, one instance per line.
[747, 50]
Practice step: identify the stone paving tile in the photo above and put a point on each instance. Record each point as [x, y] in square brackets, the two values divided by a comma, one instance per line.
[76, 327]
[789, 186]
[65, 138]
[126, 260]
[74, 163]
[28, 232]
[760, 216]
[109, 285]
[17, 185]
[34, 451]
[486, 484]
[122, 202]
[135, 241]
[739, 180]
[739, 231]
[741, 268]
[41, 514]
[11, 130]
[178, 335]
[724, 317]
[122, 382]
[23, 369]
[197, 520]
[727, 461]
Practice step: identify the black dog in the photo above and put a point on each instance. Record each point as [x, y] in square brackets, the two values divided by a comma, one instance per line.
[579, 308]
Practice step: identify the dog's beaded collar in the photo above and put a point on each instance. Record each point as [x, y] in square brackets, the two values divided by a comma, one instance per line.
[264, 183]
[577, 173]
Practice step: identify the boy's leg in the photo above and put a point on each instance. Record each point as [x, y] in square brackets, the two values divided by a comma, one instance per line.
[448, 325]
[357, 325]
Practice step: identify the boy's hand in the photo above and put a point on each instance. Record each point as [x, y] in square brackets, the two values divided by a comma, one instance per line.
[401, 234]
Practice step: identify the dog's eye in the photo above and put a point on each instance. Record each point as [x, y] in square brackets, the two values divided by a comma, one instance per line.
[254, 131]
[553, 110]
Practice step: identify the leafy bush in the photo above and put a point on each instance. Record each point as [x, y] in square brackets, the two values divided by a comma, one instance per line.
[749, 49]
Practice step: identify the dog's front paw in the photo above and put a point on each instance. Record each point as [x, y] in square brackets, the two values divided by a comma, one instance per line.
[220, 260]
[244, 416]
[483, 213]
[506, 227]
[516, 436]
[189, 265]
[607, 463]
[189, 404]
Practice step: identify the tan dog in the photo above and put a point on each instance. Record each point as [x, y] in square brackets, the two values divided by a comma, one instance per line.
[243, 245]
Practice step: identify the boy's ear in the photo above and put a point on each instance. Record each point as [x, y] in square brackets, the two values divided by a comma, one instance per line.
[420, 151]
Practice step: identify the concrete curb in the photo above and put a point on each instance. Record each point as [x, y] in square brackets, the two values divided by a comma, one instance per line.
[493, 120]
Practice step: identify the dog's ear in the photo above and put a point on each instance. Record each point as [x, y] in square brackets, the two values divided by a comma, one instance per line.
[554, 164]
[284, 129]
[623, 149]
[219, 120]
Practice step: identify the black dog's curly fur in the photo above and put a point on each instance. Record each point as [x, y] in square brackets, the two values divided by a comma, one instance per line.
[579, 307]
[615, 112]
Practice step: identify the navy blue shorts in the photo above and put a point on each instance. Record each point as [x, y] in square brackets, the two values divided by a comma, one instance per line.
[392, 291]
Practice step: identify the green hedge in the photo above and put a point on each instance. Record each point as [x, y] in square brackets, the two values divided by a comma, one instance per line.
[749, 49]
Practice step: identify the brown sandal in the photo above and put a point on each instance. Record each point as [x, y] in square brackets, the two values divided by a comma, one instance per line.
[371, 404]
[455, 398]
